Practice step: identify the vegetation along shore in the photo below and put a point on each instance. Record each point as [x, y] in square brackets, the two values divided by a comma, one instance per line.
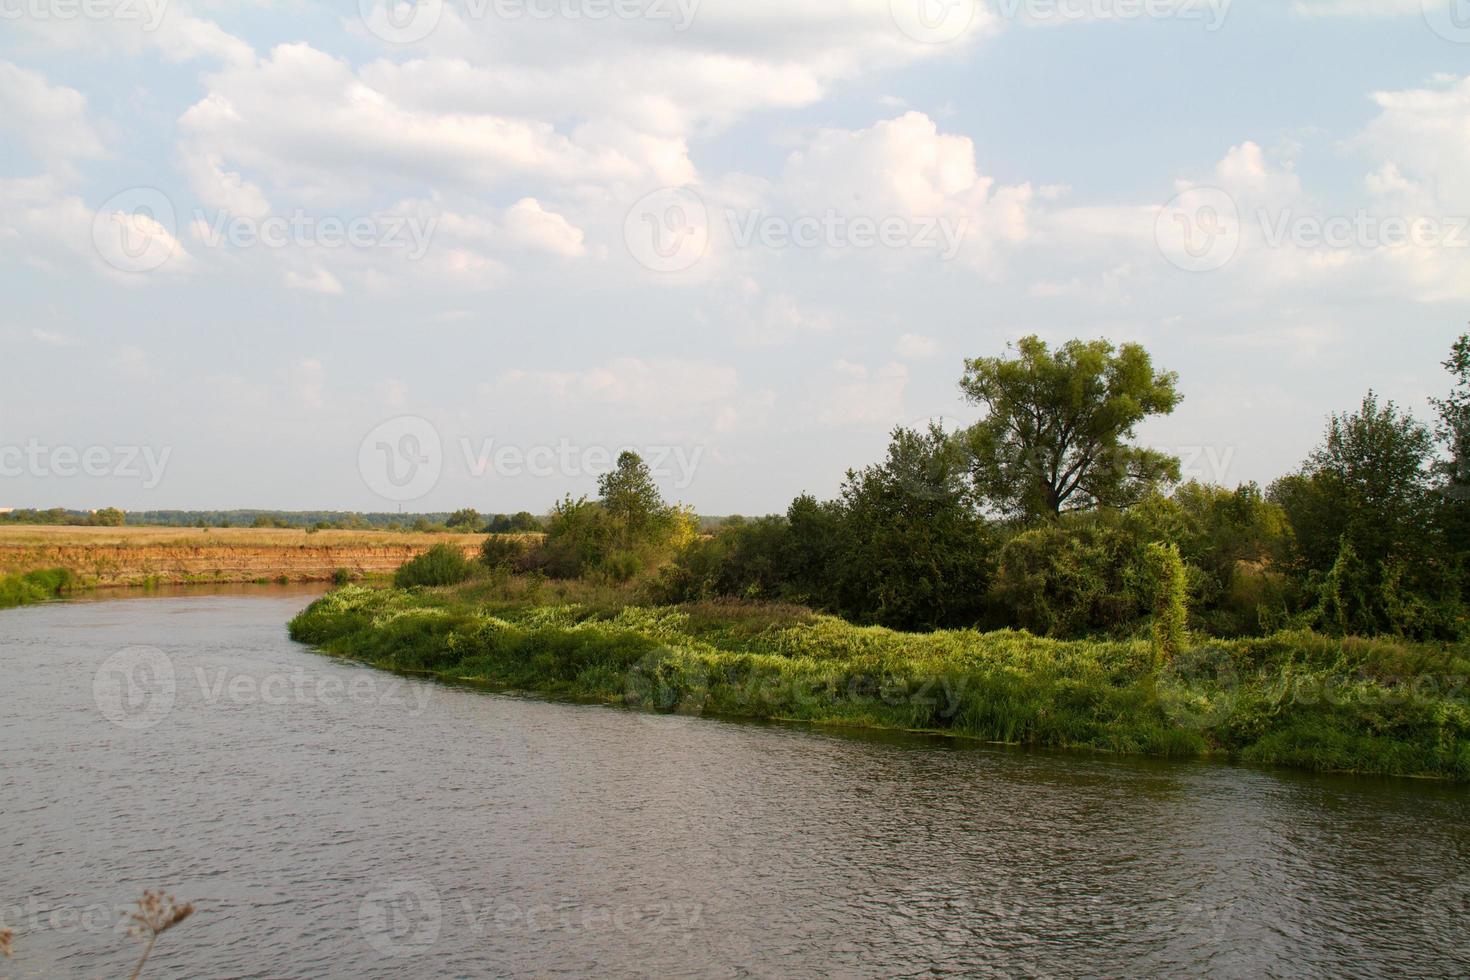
[1035, 579]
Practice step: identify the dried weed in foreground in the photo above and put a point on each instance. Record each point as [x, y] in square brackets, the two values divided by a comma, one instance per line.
[157, 913]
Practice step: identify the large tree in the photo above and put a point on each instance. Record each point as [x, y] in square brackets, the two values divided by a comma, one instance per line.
[1453, 429]
[1056, 434]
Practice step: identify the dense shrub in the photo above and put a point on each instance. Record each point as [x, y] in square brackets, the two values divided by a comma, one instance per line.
[1072, 580]
[37, 586]
[443, 564]
[502, 553]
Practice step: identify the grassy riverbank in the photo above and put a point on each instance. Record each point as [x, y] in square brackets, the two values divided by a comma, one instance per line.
[1297, 699]
[37, 586]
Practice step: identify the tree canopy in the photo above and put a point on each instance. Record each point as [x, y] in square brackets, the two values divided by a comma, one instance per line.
[1055, 436]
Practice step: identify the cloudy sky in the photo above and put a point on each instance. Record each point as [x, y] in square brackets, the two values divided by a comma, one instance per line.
[270, 253]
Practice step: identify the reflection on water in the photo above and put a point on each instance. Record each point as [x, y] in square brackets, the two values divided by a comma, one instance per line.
[331, 820]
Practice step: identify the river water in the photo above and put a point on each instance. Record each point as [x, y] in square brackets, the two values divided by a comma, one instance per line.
[329, 820]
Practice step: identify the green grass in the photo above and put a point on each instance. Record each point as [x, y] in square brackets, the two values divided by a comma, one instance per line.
[37, 586]
[1297, 699]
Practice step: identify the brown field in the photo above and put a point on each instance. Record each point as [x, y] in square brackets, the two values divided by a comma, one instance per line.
[106, 556]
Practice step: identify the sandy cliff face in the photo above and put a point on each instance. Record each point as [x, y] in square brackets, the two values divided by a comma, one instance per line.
[295, 557]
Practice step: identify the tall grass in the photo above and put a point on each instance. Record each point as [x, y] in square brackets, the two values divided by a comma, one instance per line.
[37, 586]
[1297, 698]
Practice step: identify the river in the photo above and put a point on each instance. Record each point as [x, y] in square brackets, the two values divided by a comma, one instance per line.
[329, 820]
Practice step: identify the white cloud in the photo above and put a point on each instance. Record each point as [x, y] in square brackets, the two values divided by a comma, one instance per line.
[53, 339]
[913, 346]
[319, 281]
[655, 387]
[49, 120]
[860, 395]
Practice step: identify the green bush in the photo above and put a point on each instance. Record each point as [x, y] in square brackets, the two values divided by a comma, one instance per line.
[443, 564]
[502, 553]
[1072, 580]
[37, 586]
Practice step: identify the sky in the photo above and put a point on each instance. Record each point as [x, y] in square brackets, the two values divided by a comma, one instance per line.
[381, 256]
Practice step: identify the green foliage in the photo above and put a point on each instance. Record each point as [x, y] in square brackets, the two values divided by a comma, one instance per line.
[914, 550]
[1055, 434]
[443, 564]
[502, 552]
[1297, 698]
[1366, 541]
[627, 530]
[1170, 610]
[466, 520]
[109, 517]
[904, 545]
[520, 523]
[341, 577]
[1073, 579]
[37, 586]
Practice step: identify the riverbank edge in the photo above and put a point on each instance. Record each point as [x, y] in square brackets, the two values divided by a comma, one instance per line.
[1249, 705]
